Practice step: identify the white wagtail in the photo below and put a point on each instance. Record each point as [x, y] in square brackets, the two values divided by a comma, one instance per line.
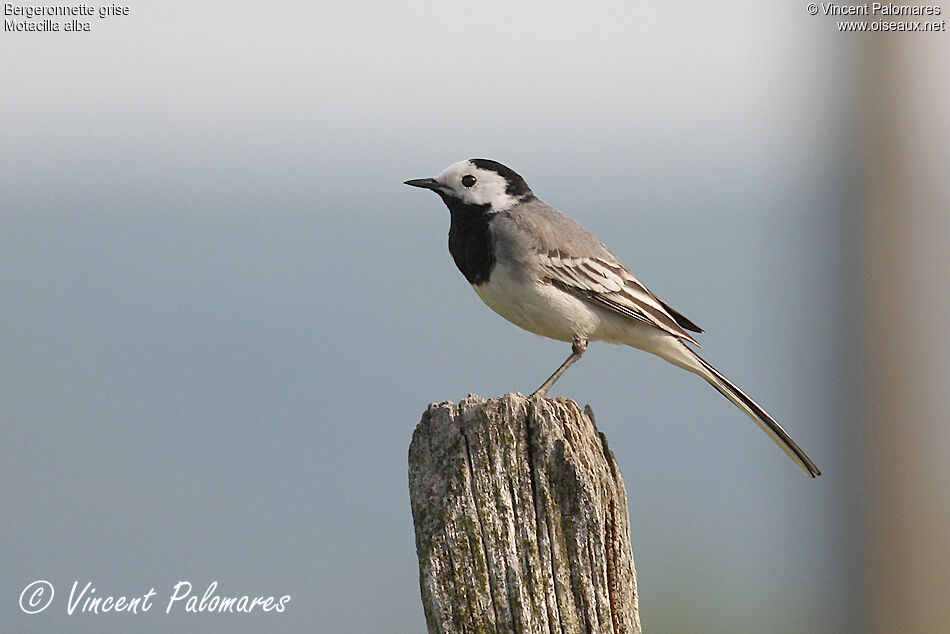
[544, 272]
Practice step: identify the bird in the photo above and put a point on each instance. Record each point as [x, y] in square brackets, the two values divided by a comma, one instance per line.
[544, 272]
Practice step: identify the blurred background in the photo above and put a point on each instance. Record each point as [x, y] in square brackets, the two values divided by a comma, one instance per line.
[222, 314]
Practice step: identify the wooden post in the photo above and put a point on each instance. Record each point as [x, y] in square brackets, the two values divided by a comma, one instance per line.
[521, 520]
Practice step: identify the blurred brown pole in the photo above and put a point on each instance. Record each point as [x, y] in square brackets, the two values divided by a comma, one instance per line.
[905, 262]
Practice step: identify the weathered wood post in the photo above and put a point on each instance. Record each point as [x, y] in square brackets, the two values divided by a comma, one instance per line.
[521, 520]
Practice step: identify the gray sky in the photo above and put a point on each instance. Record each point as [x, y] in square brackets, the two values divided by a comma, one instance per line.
[222, 313]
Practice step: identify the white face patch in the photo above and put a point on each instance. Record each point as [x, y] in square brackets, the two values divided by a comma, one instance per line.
[488, 187]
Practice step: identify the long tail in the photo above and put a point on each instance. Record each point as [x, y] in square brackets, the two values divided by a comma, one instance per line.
[754, 411]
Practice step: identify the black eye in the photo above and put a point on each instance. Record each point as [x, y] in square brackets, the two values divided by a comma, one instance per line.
[468, 180]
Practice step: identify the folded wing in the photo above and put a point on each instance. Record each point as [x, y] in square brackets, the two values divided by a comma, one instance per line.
[607, 283]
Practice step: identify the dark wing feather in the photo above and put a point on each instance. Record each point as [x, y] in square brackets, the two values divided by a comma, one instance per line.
[680, 318]
[607, 283]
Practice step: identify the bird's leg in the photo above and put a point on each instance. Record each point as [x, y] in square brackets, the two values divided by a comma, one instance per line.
[577, 350]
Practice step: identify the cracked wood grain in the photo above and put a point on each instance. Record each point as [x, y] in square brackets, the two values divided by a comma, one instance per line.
[521, 520]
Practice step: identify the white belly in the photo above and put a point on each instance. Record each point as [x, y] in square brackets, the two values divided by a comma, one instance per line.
[538, 308]
[550, 312]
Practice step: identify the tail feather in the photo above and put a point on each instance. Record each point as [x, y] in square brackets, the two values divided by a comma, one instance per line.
[754, 411]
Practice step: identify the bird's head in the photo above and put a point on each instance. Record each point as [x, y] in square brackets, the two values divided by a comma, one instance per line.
[477, 182]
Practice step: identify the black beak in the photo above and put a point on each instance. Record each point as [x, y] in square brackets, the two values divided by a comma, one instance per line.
[425, 183]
